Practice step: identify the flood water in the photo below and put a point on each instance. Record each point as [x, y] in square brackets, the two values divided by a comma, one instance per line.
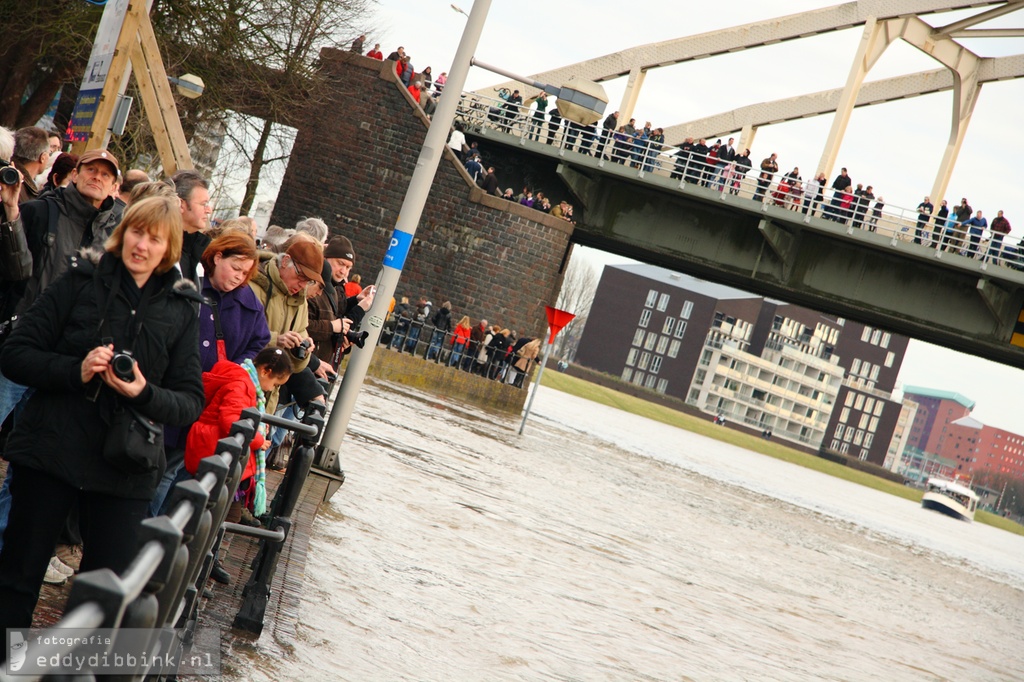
[604, 546]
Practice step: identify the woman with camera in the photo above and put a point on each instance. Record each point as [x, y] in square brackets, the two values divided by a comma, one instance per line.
[113, 342]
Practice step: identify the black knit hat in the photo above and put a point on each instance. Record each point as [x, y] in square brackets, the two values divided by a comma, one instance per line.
[340, 247]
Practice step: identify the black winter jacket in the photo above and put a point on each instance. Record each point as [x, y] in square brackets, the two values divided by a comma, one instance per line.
[61, 432]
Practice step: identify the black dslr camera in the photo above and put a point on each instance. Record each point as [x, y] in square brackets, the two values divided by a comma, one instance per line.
[357, 339]
[8, 174]
[123, 365]
[302, 350]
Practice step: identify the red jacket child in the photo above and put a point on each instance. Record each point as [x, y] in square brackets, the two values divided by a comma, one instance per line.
[229, 390]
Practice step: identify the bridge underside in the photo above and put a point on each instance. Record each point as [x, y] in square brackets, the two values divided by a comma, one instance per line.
[876, 279]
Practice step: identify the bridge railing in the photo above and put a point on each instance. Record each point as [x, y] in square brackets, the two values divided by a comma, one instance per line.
[161, 587]
[636, 153]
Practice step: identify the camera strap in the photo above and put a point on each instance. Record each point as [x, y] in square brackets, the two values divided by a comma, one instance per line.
[103, 303]
[222, 351]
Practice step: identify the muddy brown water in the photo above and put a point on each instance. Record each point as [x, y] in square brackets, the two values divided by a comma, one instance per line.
[604, 546]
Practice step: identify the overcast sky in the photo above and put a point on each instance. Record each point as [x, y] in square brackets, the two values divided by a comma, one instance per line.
[896, 146]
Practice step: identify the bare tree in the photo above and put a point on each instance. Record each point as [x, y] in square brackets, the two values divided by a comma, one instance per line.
[577, 295]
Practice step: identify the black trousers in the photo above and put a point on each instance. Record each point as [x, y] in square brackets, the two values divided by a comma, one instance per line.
[39, 507]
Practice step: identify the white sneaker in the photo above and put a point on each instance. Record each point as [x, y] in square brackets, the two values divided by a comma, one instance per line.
[61, 567]
[54, 577]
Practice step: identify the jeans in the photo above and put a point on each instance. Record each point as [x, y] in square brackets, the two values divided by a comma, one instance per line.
[414, 338]
[10, 395]
[12, 399]
[436, 340]
[457, 349]
[175, 465]
[5, 504]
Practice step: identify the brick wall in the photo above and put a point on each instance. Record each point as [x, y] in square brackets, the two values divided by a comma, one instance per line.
[351, 165]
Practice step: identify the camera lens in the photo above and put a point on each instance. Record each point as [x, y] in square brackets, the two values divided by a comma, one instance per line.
[9, 176]
[124, 366]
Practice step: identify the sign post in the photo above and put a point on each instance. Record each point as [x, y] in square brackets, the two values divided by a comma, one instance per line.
[557, 319]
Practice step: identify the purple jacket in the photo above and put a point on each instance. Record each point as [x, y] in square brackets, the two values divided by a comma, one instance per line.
[243, 321]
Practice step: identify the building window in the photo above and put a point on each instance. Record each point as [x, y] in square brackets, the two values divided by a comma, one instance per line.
[638, 379]
[855, 366]
[687, 309]
[874, 373]
[663, 302]
[858, 404]
[645, 318]
[655, 364]
[631, 357]
[849, 432]
[865, 336]
[680, 329]
[850, 395]
[869, 439]
[670, 324]
[673, 349]
[873, 426]
[869, 405]
[839, 434]
[878, 408]
[886, 337]
[844, 448]
[645, 359]
[662, 345]
[858, 437]
[627, 374]
[652, 340]
[638, 337]
[890, 357]
[652, 296]
[863, 422]
[662, 385]
[650, 381]
[844, 416]
[876, 337]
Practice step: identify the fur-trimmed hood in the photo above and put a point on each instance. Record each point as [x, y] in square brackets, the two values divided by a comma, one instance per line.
[88, 259]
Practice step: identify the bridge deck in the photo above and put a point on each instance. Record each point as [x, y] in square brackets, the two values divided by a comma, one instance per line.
[949, 289]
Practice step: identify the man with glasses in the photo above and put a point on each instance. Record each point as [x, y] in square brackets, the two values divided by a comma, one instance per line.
[31, 156]
[282, 283]
[194, 194]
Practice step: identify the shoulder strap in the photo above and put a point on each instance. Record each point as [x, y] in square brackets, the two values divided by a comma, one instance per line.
[222, 351]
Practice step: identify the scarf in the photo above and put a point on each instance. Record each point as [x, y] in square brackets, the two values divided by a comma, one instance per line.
[259, 502]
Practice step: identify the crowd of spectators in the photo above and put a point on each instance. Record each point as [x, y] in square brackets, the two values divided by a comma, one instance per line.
[123, 299]
[724, 168]
[484, 349]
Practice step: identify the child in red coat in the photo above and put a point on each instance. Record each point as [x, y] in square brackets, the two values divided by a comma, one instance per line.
[231, 388]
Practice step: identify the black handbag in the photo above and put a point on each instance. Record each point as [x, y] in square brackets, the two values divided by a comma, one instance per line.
[15, 257]
[133, 443]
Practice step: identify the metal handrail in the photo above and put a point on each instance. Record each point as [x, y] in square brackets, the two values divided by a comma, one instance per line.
[100, 598]
[634, 152]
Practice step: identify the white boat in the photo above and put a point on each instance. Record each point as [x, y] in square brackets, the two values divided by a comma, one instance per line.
[950, 497]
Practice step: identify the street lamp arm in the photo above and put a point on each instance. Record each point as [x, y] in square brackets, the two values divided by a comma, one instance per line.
[550, 89]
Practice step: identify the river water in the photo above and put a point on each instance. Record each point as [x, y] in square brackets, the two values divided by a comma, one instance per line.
[604, 546]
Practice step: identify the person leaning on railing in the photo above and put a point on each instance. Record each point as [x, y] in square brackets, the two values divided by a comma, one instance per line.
[132, 294]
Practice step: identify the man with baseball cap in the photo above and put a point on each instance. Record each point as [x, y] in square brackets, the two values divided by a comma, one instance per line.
[83, 214]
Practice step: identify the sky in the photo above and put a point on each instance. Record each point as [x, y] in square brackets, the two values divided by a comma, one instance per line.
[896, 147]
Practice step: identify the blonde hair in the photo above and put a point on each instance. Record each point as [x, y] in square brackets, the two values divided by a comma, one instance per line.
[160, 216]
[163, 188]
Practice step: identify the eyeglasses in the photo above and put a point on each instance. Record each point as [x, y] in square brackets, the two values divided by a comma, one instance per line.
[306, 282]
